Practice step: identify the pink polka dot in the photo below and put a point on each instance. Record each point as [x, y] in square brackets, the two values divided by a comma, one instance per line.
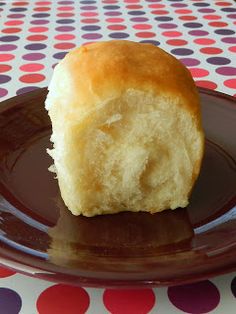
[218, 24]
[232, 49]
[89, 14]
[231, 83]
[38, 29]
[156, 6]
[91, 21]
[172, 34]
[118, 301]
[211, 50]
[32, 67]
[197, 72]
[115, 20]
[68, 299]
[145, 34]
[206, 84]
[43, 3]
[64, 46]
[6, 57]
[204, 41]
[11, 30]
[201, 297]
[20, 3]
[3, 92]
[32, 78]
[134, 7]
[176, 42]
[42, 9]
[159, 12]
[13, 23]
[65, 37]
[142, 26]
[4, 68]
[183, 11]
[65, 14]
[6, 272]
[37, 37]
[212, 17]
[65, 8]
[116, 27]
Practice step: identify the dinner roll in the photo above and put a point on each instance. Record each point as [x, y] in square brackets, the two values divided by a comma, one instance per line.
[126, 129]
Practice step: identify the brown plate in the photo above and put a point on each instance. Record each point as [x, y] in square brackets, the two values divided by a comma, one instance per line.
[40, 237]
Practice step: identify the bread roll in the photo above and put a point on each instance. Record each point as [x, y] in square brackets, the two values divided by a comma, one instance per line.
[126, 129]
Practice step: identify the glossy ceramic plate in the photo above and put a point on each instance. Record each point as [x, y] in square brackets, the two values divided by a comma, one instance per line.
[40, 237]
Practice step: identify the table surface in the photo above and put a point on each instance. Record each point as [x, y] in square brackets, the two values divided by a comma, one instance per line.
[35, 35]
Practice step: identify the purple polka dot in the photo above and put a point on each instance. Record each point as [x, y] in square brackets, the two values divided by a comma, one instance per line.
[34, 56]
[9, 38]
[229, 40]
[198, 33]
[65, 28]
[4, 78]
[7, 47]
[18, 9]
[231, 16]
[26, 90]
[90, 28]
[201, 297]
[65, 21]
[167, 25]
[224, 31]
[179, 5]
[182, 51]
[111, 7]
[2, 3]
[10, 301]
[189, 62]
[228, 9]
[139, 19]
[193, 25]
[16, 16]
[88, 7]
[226, 71]
[92, 36]
[60, 55]
[201, 4]
[65, 2]
[163, 18]
[149, 41]
[39, 22]
[3, 92]
[118, 35]
[112, 13]
[87, 2]
[206, 10]
[233, 286]
[41, 15]
[136, 12]
[35, 46]
[218, 60]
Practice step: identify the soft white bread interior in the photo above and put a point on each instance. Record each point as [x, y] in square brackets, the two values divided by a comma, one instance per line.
[126, 127]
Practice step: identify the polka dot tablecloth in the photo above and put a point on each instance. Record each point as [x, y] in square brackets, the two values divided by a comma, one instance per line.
[35, 35]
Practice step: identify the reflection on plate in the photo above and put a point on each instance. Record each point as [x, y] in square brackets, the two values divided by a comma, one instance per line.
[39, 236]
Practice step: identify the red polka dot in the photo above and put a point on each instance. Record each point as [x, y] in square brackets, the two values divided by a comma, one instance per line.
[177, 42]
[64, 46]
[42, 9]
[6, 272]
[32, 67]
[38, 29]
[204, 41]
[115, 20]
[6, 57]
[90, 21]
[4, 68]
[43, 3]
[145, 34]
[65, 37]
[206, 84]
[232, 49]
[14, 23]
[134, 7]
[37, 37]
[212, 17]
[159, 12]
[197, 72]
[171, 34]
[183, 11]
[218, 24]
[32, 78]
[119, 301]
[89, 14]
[211, 50]
[156, 6]
[223, 3]
[187, 18]
[68, 299]
[65, 14]
[116, 27]
[11, 30]
[142, 26]
[20, 3]
[65, 8]
[231, 83]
